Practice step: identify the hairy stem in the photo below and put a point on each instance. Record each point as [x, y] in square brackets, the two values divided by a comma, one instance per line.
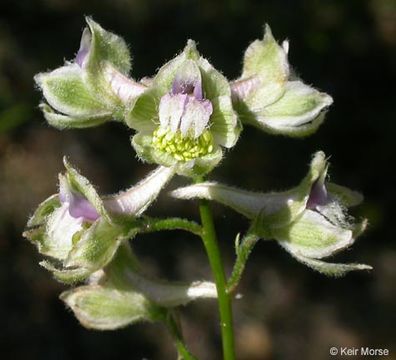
[158, 224]
[243, 251]
[175, 331]
[212, 249]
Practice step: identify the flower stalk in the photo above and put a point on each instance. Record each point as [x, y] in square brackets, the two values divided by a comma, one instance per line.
[224, 299]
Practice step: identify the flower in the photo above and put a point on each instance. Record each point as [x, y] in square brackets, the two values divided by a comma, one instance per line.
[309, 221]
[120, 294]
[81, 230]
[269, 95]
[94, 87]
[185, 116]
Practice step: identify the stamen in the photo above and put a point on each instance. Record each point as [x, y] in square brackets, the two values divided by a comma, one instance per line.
[181, 147]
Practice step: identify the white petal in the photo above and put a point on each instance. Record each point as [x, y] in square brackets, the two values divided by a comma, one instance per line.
[61, 227]
[196, 116]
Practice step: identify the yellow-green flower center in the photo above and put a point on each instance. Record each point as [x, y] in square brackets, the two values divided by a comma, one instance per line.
[182, 148]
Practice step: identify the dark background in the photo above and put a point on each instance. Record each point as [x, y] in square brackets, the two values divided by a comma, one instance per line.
[346, 48]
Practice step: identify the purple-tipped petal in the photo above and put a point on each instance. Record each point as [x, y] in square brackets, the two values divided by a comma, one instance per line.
[85, 45]
[188, 81]
[81, 207]
[198, 93]
[78, 205]
[318, 195]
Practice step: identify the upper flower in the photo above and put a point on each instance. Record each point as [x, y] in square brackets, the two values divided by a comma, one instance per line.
[269, 96]
[309, 221]
[185, 116]
[81, 230]
[92, 88]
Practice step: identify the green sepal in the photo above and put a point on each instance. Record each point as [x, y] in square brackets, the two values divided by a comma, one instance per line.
[299, 106]
[104, 46]
[314, 236]
[66, 276]
[107, 53]
[226, 126]
[101, 308]
[65, 90]
[81, 184]
[61, 121]
[266, 59]
[144, 114]
[44, 210]
[329, 269]
[98, 244]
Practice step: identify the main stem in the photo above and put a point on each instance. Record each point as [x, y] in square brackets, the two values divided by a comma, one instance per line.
[212, 249]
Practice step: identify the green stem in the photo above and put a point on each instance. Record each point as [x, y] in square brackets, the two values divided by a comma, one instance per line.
[212, 249]
[158, 224]
[243, 251]
[174, 329]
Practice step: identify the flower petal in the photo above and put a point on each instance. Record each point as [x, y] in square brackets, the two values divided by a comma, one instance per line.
[61, 227]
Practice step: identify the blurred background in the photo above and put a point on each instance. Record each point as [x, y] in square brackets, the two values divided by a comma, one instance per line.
[345, 48]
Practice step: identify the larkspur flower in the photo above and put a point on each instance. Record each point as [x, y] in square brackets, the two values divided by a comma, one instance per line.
[268, 95]
[81, 230]
[120, 295]
[185, 116]
[94, 87]
[309, 221]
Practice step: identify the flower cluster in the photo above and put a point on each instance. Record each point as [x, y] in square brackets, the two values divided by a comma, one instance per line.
[185, 118]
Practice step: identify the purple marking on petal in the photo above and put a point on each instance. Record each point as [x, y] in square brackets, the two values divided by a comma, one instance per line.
[198, 93]
[208, 107]
[180, 86]
[84, 47]
[81, 207]
[177, 86]
[80, 57]
[318, 195]
[78, 205]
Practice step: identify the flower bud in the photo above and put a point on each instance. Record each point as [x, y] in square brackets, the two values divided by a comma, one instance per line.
[120, 295]
[268, 97]
[103, 308]
[309, 221]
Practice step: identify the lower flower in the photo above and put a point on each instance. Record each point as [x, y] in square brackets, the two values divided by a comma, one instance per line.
[80, 231]
[309, 221]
